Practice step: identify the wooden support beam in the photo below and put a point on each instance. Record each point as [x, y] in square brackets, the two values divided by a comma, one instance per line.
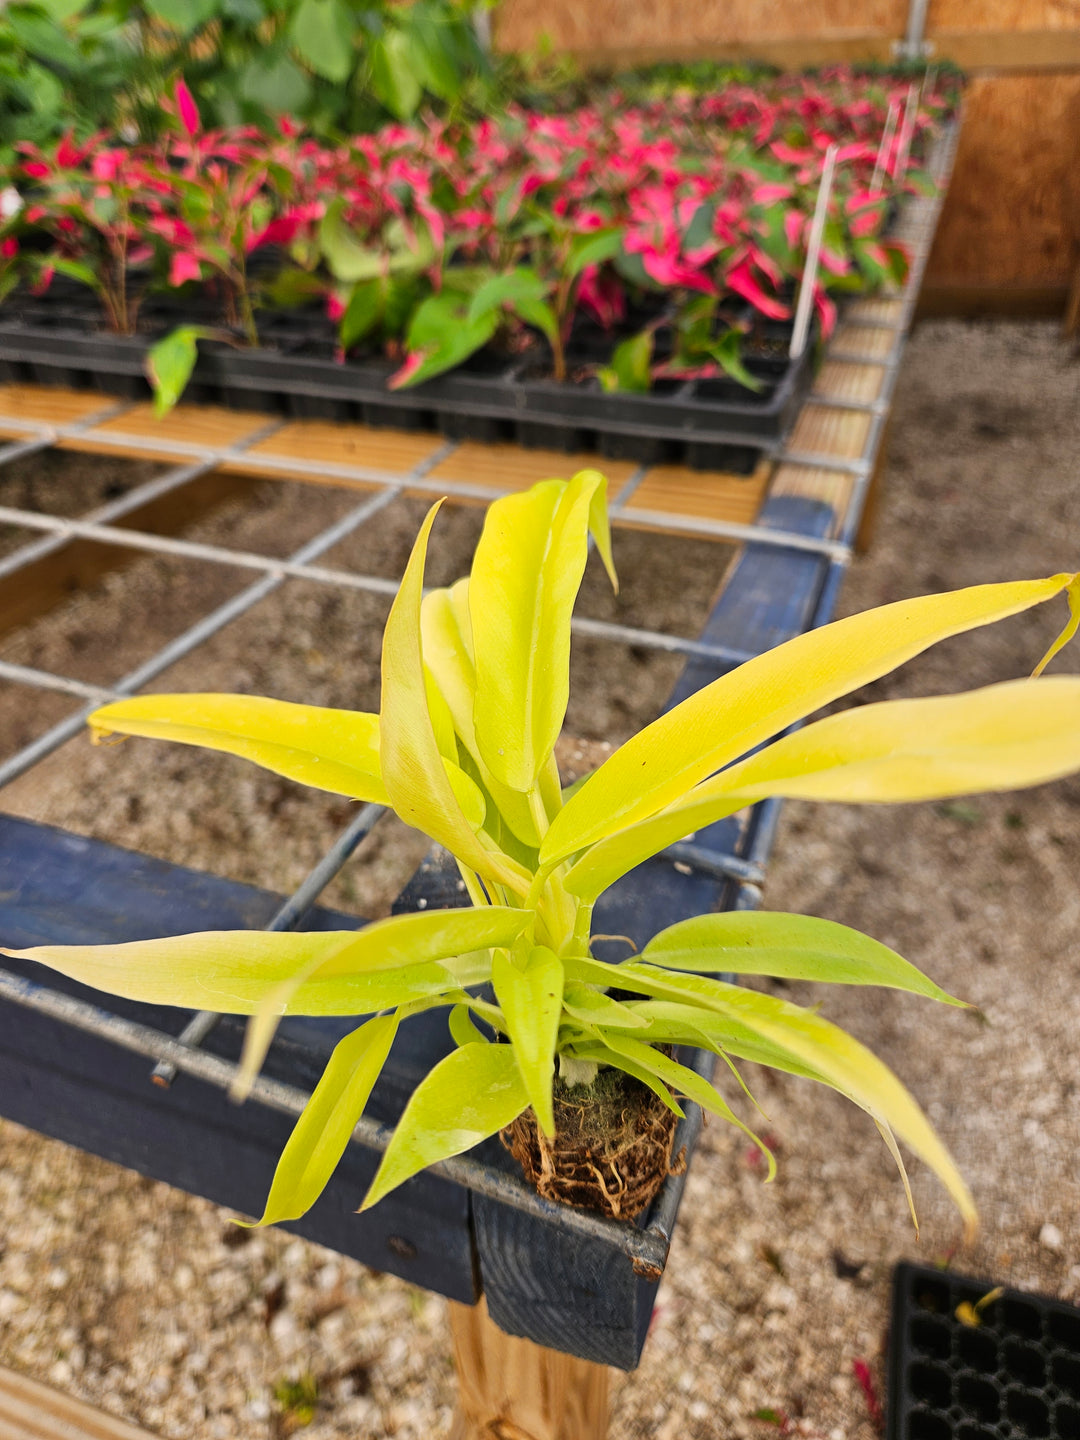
[32, 1411]
[511, 1389]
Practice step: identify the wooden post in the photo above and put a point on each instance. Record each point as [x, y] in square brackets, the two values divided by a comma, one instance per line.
[511, 1389]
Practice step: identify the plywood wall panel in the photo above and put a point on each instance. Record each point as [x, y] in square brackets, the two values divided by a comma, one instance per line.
[1006, 221]
[679, 25]
[982, 15]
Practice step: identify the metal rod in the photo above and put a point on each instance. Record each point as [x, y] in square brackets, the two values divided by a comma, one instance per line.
[805, 304]
[759, 534]
[142, 495]
[45, 744]
[289, 917]
[642, 1245]
[714, 862]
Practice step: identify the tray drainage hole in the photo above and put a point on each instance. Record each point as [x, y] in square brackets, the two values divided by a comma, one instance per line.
[922, 1425]
[1025, 1364]
[1027, 1412]
[931, 1337]
[978, 1350]
[1065, 1329]
[1067, 1421]
[1020, 1319]
[1066, 1372]
[930, 1384]
[977, 1398]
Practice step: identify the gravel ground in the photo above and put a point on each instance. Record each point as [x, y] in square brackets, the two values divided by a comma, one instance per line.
[146, 1302]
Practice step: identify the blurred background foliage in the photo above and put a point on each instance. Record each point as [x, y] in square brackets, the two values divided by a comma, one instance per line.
[337, 66]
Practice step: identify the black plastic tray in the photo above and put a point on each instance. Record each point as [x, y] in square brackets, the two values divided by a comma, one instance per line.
[707, 424]
[1014, 1376]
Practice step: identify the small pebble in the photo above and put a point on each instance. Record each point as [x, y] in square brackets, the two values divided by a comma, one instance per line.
[1050, 1238]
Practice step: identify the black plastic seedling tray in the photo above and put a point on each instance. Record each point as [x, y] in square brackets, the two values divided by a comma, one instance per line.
[708, 424]
[1015, 1375]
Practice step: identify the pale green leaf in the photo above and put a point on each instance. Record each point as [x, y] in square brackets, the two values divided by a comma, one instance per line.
[322, 33]
[394, 77]
[473, 1093]
[591, 1007]
[794, 947]
[462, 1029]
[345, 972]
[322, 1132]
[764, 696]
[347, 258]
[1003, 737]
[525, 578]
[169, 363]
[529, 986]
[335, 750]
[412, 768]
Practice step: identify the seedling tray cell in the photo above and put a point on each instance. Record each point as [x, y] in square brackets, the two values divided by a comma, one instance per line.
[1014, 1375]
[706, 424]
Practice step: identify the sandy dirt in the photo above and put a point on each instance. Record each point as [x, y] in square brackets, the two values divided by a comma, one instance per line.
[139, 1299]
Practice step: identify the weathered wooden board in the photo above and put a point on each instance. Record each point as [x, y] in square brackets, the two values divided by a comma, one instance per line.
[31, 1411]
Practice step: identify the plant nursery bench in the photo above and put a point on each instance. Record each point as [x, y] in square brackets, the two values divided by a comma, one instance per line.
[78, 1067]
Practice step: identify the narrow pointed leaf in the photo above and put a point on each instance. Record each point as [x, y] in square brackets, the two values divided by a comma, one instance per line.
[592, 1007]
[1003, 737]
[462, 1029]
[530, 997]
[767, 694]
[472, 1094]
[232, 971]
[794, 947]
[525, 578]
[412, 768]
[335, 750]
[322, 1132]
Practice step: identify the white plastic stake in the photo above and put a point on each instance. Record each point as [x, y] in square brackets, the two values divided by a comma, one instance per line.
[907, 130]
[804, 307]
[883, 148]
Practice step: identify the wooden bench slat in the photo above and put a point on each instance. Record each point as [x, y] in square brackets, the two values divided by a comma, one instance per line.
[32, 1411]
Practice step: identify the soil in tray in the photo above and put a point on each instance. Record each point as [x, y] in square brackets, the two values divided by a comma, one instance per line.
[306, 642]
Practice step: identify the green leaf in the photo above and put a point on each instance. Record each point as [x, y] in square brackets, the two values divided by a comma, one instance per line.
[322, 34]
[364, 312]
[794, 947]
[506, 290]
[592, 1007]
[592, 249]
[631, 362]
[84, 274]
[347, 258]
[764, 696]
[442, 336]
[1003, 737]
[169, 364]
[475, 1092]
[462, 1029]
[393, 73]
[412, 768]
[529, 986]
[345, 972]
[525, 577]
[46, 90]
[276, 83]
[434, 58]
[335, 750]
[183, 15]
[325, 1127]
[727, 352]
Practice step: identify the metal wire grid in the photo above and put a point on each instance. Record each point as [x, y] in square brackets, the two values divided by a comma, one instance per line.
[646, 1247]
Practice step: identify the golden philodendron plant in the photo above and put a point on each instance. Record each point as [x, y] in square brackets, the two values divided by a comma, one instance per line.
[475, 683]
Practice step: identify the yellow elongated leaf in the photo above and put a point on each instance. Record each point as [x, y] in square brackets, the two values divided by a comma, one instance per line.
[412, 767]
[345, 972]
[793, 947]
[731, 716]
[592, 1007]
[525, 578]
[447, 647]
[1003, 737]
[529, 988]
[684, 1081]
[322, 1132]
[752, 1026]
[468, 1096]
[335, 750]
